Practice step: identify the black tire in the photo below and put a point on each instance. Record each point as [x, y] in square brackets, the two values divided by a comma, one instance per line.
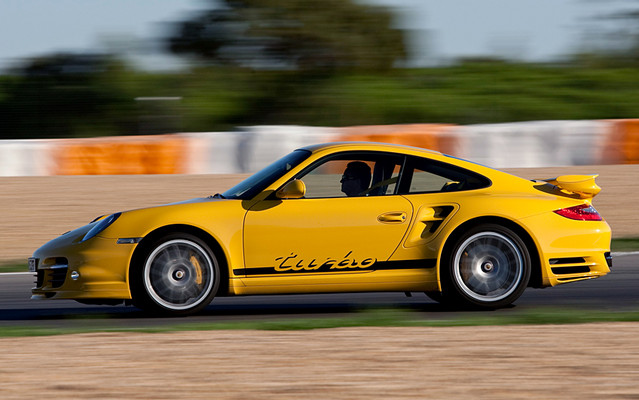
[488, 267]
[176, 275]
[436, 296]
[446, 302]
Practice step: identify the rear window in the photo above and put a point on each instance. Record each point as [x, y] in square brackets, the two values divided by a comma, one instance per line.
[428, 176]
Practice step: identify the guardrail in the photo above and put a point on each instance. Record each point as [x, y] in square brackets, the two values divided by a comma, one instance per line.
[248, 149]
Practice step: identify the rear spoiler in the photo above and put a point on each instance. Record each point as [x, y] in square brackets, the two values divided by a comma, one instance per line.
[582, 185]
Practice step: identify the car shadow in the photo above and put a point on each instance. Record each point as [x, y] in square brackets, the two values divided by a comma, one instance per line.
[132, 317]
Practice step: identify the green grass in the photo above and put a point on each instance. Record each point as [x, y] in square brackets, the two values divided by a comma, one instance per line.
[369, 318]
[14, 266]
[625, 244]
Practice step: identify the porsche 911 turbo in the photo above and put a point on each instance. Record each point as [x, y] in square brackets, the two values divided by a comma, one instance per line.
[339, 217]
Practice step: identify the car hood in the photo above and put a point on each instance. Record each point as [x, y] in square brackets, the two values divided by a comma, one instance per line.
[209, 199]
[206, 213]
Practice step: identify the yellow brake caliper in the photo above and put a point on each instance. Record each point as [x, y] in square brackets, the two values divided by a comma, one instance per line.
[198, 269]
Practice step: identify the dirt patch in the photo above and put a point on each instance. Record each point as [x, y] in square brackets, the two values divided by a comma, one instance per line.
[592, 361]
[34, 210]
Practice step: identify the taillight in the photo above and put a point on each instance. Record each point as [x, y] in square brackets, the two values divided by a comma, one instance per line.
[582, 212]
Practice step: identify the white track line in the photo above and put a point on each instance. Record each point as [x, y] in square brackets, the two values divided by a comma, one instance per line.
[624, 253]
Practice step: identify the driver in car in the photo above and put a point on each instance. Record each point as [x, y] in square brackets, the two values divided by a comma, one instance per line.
[356, 178]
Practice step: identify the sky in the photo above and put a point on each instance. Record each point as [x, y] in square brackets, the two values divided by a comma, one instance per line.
[441, 30]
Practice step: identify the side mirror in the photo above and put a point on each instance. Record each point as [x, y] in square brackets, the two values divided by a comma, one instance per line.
[294, 189]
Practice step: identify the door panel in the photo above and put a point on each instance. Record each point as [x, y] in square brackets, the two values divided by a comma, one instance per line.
[309, 241]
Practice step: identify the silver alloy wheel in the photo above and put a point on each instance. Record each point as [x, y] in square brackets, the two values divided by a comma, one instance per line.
[488, 266]
[179, 274]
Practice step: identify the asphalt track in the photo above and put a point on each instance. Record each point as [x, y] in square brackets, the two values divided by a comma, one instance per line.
[618, 291]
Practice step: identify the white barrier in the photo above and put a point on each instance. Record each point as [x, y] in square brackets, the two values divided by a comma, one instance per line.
[533, 144]
[212, 152]
[249, 149]
[26, 157]
[261, 145]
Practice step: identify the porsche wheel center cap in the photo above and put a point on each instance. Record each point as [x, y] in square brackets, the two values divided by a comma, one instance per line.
[178, 274]
[487, 267]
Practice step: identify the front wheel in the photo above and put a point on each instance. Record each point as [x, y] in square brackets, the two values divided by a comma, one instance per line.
[179, 275]
[488, 267]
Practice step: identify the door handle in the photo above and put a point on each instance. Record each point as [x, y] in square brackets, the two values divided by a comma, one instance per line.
[393, 217]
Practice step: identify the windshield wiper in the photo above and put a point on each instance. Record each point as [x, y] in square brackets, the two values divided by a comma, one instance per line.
[217, 196]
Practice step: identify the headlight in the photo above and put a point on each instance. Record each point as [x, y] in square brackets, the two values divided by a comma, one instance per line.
[100, 226]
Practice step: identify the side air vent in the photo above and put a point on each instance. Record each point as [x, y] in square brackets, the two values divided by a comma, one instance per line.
[428, 221]
[52, 272]
[571, 270]
[569, 265]
[58, 275]
[440, 216]
[571, 260]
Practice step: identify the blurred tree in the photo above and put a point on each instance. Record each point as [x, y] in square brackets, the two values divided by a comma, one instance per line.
[612, 37]
[62, 95]
[292, 35]
[629, 33]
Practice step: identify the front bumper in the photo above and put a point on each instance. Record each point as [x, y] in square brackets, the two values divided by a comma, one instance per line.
[69, 269]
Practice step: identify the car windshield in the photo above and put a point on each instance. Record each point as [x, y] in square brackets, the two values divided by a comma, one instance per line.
[254, 184]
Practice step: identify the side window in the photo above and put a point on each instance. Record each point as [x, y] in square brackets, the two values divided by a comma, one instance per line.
[425, 181]
[353, 175]
[429, 176]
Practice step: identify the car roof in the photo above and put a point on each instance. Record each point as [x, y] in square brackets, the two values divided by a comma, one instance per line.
[370, 146]
[407, 150]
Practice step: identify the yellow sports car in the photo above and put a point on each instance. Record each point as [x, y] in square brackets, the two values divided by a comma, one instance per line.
[339, 217]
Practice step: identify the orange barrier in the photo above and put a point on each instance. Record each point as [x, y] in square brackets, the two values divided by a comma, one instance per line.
[579, 142]
[121, 155]
[429, 136]
[621, 143]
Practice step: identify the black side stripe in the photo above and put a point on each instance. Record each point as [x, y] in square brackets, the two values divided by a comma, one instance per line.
[378, 266]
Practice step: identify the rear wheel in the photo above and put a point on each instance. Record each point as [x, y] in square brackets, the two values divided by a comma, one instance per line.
[178, 275]
[488, 267]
